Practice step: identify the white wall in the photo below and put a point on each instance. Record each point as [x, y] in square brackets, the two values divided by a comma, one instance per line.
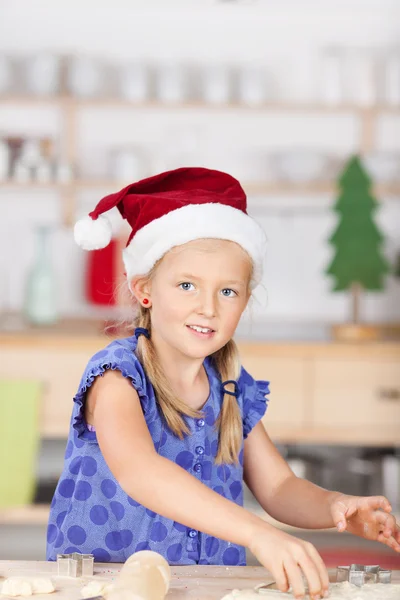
[287, 37]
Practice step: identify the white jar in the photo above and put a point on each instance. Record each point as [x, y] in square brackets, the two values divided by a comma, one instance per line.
[172, 83]
[84, 78]
[391, 79]
[63, 172]
[4, 161]
[331, 90]
[127, 165]
[42, 74]
[5, 74]
[134, 82]
[31, 154]
[361, 77]
[216, 84]
[252, 86]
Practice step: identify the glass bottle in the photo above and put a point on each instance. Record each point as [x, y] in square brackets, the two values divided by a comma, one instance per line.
[41, 294]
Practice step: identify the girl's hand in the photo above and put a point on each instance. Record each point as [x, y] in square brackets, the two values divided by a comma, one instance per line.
[368, 517]
[289, 560]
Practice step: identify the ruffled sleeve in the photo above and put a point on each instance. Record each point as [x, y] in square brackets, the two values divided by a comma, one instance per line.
[116, 356]
[254, 401]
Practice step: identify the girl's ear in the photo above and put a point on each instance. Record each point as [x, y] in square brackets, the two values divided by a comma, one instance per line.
[141, 289]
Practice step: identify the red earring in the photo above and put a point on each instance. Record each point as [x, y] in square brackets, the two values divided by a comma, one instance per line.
[145, 301]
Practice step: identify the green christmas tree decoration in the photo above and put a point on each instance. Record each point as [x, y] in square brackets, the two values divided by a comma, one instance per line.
[358, 262]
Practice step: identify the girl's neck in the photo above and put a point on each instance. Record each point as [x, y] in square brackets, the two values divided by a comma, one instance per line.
[187, 376]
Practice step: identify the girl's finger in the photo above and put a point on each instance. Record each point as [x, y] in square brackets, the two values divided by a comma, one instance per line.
[282, 582]
[323, 572]
[339, 510]
[387, 523]
[391, 542]
[295, 578]
[379, 502]
[397, 534]
[312, 574]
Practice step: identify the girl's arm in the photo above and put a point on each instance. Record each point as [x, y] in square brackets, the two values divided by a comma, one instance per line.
[152, 480]
[281, 494]
[167, 489]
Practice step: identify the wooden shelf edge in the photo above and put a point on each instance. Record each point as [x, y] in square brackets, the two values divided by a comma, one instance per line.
[113, 102]
[251, 188]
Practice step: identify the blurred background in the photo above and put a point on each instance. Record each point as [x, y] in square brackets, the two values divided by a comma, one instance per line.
[298, 99]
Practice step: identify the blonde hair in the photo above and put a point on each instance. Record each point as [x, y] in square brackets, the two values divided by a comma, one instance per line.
[226, 361]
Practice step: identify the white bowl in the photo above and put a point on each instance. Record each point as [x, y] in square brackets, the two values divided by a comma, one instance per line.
[383, 167]
[302, 166]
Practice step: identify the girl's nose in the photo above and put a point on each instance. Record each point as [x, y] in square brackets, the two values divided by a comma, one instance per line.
[207, 305]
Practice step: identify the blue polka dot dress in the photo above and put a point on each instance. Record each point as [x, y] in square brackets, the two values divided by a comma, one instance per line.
[90, 513]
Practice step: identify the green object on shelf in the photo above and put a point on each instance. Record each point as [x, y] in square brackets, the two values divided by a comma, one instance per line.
[358, 259]
[19, 440]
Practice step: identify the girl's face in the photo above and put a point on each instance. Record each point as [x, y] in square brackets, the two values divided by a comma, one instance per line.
[197, 293]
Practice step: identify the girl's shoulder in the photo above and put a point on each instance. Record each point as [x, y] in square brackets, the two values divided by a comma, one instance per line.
[117, 355]
[252, 399]
[116, 352]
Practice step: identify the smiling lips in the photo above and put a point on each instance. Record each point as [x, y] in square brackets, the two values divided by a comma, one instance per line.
[203, 331]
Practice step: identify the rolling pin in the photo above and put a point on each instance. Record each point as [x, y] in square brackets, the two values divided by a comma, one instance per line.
[146, 575]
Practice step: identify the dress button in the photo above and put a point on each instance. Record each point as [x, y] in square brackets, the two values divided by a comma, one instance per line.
[200, 422]
[192, 533]
[199, 450]
[197, 467]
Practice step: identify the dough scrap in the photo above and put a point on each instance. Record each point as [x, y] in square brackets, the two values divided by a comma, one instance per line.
[16, 586]
[26, 586]
[42, 585]
[96, 588]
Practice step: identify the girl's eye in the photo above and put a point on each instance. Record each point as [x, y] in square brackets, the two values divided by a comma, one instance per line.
[228, 293]
[185, 285]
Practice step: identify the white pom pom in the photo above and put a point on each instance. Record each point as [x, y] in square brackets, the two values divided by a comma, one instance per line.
[92, 234]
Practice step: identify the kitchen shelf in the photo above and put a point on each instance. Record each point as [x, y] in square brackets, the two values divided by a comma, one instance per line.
[70, 107]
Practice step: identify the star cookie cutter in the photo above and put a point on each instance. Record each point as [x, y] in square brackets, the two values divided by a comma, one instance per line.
[75, 565]
[362, 574]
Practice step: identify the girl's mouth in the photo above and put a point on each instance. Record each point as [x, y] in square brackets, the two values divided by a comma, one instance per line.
[202, 332]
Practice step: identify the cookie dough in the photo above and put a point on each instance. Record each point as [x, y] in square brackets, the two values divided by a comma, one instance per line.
[337, 591]
[26, 586]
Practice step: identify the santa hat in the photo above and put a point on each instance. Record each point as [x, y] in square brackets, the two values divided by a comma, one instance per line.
[171, 209]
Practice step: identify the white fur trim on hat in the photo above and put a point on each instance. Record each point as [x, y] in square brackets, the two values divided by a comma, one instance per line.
[192, 222]
[93, 234]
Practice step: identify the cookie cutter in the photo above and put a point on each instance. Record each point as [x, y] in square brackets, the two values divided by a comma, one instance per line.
[75, 565]
[362, 574]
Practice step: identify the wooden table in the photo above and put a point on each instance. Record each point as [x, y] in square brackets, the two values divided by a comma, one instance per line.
[192, 582]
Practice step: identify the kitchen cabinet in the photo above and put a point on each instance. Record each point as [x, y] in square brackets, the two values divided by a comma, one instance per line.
[365, 392]
[326, 393]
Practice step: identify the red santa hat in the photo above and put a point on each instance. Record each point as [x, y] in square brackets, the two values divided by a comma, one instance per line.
[171, 209]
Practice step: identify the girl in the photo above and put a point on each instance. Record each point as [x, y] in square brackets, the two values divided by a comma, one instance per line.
[166, 425]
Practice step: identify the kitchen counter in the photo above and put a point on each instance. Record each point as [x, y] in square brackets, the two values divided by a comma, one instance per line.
[194, 582]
